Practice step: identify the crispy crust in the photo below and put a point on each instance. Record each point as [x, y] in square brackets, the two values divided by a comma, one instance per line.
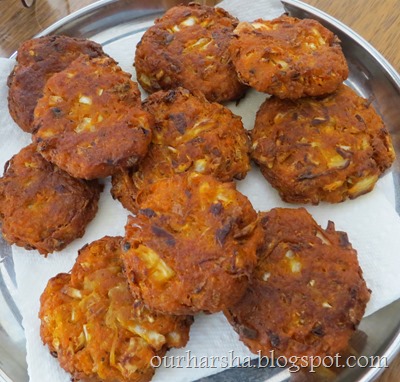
[96, 329]
[307, 295]
[190, 134]
[192, 246]
[89, 121]
[316, 149]
[37, 60]
[41, 206]
[188, 47]
[288, 57]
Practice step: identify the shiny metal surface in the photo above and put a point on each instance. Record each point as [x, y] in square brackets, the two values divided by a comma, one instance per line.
[111, 20]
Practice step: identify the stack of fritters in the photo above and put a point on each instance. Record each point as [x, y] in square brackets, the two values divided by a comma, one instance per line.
[195, 243]
[328, 147]
[190, 134]
[87, 121]
[37, 60]
[94, 326]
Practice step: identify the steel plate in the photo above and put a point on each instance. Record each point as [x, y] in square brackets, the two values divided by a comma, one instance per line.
[108, 21]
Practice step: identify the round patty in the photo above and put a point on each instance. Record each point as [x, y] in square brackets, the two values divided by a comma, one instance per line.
[41, 206]
[192, 246]
[321, 149]
[190, 134]
[96, 329]
[89, 121]
[307, 294]
[37, 60]
[188, 47]
[288, 57]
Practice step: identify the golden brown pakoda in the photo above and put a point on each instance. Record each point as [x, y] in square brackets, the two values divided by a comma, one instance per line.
[321, 149]
[89, 121]
[192, 247]
[96, 329]
[188, 47]
[288, 57]
[307, 295]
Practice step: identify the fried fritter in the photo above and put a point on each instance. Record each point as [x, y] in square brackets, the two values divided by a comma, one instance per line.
[188, 47]
[41, 206]
[307, 294]
[96, 329]
[288, 57]
[321, 149]
[192, 246]
[37, 60]
[89, 121]
[190, 134]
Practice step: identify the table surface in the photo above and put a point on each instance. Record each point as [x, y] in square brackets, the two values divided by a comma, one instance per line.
[376, 20]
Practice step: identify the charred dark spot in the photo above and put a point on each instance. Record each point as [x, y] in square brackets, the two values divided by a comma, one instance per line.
[264, 220]
[252, 71]
[247, 332]
[199, 288]
[353, 292]
[169, 38]
[274, 339]
[222, 233]
[344, 153]
[57, 112]
[126, 246]
[295, 76]
[163, 234]
[58, 47]
[318, 330]
[179, 121]
[197, 140]
[54, 354]
[145, 131]
[359, 118]
[216, 208]
[215, 151]
[317, 121]
[148, 212]
[307, 175]
[170, 97]
[110, 162]
[344, 240]
[295, 116]
[60, 188]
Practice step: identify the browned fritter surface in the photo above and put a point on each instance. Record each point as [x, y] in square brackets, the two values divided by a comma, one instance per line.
[41, 206]
[288, 57]
[190, 134]
[192, 246]
[188, 47]
[89, 121]
[321, 149]
[307, 294]
[37, 60]
[96, 329]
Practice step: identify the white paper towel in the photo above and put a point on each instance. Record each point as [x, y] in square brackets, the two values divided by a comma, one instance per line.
[371, 222]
